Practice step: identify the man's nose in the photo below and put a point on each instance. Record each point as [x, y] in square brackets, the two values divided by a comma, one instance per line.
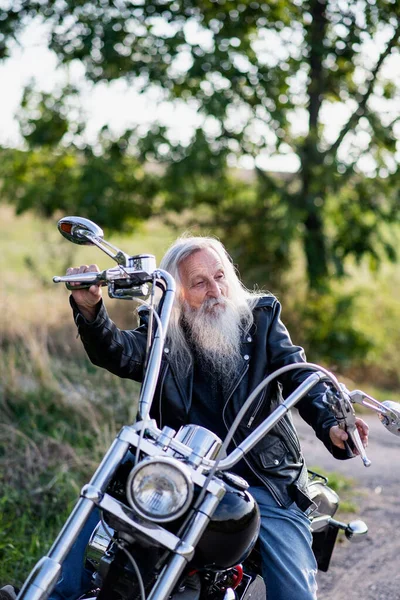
[214, 291]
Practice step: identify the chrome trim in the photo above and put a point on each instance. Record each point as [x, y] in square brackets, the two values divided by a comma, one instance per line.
[81, 230]
[229, 594]
[91, 493]
[41, 580]
[131, 434]
[160, 536]
[203, 442]
[356, 530]
[391, 417]
[143, 262]
[172, 572]
[97, 545]
[153, 368]
[320, 523]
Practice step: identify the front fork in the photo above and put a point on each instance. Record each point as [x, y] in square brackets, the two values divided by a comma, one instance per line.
[47, 571]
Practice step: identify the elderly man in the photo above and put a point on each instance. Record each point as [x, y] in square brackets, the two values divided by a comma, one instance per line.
[222, 341]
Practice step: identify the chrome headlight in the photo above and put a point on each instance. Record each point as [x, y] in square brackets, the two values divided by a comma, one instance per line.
[160, 488]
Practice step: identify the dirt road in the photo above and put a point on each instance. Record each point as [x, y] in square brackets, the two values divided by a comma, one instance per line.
[369, 570]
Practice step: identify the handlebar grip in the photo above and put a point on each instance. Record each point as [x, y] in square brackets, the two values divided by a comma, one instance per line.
[349, 448]
[83, 281]
[83, 286]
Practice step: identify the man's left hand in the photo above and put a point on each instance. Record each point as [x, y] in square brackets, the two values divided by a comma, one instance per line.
[338, 436]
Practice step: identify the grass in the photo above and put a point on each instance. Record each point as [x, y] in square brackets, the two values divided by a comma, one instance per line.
[59, 417]
[59, 413]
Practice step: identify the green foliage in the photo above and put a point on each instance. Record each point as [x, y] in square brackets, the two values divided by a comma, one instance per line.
[252, 71]
[329, 328]
[109, 188]
[28, 527]
[43, 118]
[246, 215]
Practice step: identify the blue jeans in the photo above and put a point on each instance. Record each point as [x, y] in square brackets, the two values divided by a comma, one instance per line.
[75, 579]
[288, 563]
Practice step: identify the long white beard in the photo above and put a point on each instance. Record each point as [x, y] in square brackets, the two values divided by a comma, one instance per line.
[214, 331]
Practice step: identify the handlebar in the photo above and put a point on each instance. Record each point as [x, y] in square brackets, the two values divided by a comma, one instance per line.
[225, 461]
[125, 281]
[342, 406]
[337, 396]
[388, 411]
[122, 282]
[84, 279]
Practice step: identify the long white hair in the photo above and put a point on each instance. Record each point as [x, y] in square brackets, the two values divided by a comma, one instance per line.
[243, 299]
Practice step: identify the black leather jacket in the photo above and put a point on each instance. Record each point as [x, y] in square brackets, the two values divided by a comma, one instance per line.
[276, 460]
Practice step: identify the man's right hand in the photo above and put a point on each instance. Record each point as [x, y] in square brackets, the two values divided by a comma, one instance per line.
[87, 299]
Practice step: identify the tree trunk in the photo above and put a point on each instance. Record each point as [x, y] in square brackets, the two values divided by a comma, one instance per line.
[312, 194]
[315, 249]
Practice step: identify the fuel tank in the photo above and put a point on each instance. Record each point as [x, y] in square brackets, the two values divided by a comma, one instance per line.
[232, 532]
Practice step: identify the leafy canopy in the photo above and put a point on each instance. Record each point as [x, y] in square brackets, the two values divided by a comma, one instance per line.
[266, 80]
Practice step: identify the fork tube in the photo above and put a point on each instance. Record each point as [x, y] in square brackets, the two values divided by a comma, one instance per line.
[153, 368]
[170, 576]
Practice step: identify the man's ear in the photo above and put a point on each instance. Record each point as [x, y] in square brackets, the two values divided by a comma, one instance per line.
[180, 296]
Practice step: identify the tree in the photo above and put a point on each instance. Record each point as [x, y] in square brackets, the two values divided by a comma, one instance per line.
[265, 79]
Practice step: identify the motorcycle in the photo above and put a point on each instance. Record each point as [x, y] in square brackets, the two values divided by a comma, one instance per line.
[174, 521]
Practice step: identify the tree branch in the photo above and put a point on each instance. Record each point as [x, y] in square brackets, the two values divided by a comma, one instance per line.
[361, 108]
[317, 34]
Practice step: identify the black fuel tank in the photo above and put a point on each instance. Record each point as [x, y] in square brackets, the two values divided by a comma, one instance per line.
[232, 532]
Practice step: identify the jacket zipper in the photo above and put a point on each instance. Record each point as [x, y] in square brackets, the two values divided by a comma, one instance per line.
[257, 409]
[291, 438]
[237, 384]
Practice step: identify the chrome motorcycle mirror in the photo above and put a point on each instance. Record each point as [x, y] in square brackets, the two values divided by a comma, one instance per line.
[391, 417]
[79, 230]
[84, 232]
[356, 530]
[388, 411]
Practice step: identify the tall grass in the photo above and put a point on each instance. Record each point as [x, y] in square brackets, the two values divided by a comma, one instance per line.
[59, 415]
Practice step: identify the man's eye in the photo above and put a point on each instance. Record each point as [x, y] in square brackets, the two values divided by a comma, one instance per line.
[198, 284]
[220, 276]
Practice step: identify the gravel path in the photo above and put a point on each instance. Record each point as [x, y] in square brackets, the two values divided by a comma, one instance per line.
[370, 569]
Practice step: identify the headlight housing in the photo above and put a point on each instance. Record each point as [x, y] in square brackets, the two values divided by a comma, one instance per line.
[160, 488]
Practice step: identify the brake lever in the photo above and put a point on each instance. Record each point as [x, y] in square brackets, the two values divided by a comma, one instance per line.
[342, 408]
